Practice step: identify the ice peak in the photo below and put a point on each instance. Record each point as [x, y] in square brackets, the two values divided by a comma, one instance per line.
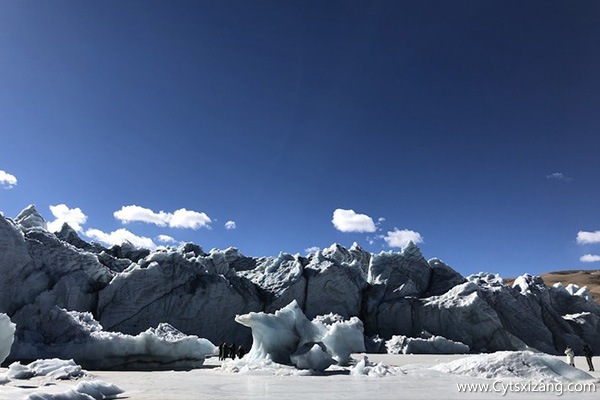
[67, 230]
[69, 235]
[30, 218]
[356, 256]
[576, 290]
[190, 247]
[356, 247]
[336, 247]
[487, 280]
[412, 249]
[528, 283]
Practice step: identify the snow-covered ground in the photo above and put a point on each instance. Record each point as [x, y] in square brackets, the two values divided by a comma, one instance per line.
[414, 379]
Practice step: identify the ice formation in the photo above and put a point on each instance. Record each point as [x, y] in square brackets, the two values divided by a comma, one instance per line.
[313, 356]
[54, 368]
[366, 368]
[288, 337]
[76, 335]
[7, 336]
[342, 337]
[87, 390]
[514, 365]
[400, 344]
[130, 290]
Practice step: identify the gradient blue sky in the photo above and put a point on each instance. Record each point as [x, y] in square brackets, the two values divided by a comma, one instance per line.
[475, 124]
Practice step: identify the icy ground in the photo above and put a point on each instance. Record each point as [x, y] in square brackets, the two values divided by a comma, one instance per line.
[415, 380]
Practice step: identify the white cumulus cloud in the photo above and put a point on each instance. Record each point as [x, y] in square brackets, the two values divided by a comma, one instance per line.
[120, 236]
[588, 258]
[312, 249]
[584, 237]
[350, 221]
[400, 238]
[165, 239]
[181, 218]
[140, 214]
[559, 176]
[7, 180]
[72, 216]
[230, 225]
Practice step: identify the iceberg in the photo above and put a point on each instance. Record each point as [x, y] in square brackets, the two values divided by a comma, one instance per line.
[366, 368]
[401, 344]
[7, 336]
[54, 368]
[342, 337]
[77, 336]
[288, 337]
[312, 356]
[96, 390]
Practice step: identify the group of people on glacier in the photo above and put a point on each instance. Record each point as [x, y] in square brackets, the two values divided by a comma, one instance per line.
[227, 350]
[587, 352]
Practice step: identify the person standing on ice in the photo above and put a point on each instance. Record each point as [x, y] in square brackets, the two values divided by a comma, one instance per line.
[232, 351]
[570, 356]
[589, 353]
[222, 347]
[241, 351]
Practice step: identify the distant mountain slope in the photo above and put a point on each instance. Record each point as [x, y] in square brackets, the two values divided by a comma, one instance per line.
[589, 278]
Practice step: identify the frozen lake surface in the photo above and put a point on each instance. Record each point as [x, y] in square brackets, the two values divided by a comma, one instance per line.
[413, 381]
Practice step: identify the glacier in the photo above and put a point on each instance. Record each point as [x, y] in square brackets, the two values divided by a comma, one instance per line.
[66, 295]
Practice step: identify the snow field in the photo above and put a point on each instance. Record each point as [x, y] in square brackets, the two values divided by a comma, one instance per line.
[416, 377]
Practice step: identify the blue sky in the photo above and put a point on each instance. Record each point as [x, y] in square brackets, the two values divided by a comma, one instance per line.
[470, 126]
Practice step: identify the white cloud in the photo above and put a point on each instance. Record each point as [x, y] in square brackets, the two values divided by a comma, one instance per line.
[350, 221]
[7, 180]
[378, 224]
[140, 214]
[230, 225]
[119, 237]
[165, 239]
[584, 237]
[588, 258]
[181, 218]
[312, 249]
[559, 176]
[400, 238]
[72, 216]
[373, 239]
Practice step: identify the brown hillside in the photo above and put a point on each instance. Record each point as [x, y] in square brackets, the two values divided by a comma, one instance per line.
[589, 278]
